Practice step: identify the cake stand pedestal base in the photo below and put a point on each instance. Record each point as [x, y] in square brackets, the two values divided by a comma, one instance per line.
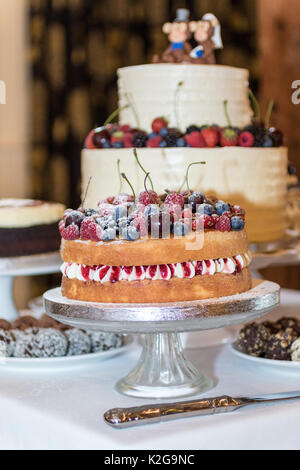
[163, 371]
[8, 309]
[10, 268]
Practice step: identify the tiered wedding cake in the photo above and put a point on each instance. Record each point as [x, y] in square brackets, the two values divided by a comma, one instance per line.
[252, 175]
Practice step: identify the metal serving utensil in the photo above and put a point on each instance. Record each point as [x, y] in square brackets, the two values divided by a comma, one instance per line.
[155, 413]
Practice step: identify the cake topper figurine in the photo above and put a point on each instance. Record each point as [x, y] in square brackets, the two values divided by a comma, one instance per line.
[178, 34]
[207, 33]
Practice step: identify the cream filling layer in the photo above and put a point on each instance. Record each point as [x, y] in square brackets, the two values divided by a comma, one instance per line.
[189, 269]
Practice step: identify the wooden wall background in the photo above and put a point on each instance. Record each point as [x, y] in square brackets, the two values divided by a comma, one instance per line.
[279, 53]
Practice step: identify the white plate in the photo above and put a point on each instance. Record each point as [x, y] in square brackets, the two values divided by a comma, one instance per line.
[62, 362]
[267, 362]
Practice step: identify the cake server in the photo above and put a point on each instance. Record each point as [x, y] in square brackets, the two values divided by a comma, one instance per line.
[155, 413]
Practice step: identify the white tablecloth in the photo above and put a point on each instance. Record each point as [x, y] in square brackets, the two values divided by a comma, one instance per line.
[62, 409]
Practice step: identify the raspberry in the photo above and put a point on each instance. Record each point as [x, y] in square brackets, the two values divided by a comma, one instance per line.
[154, 142]
[105, 209]
[246, 139]
[61, 225]
[127, 140]
[141, 224]
[174, 199]
[95, 232]
[238, 211]
[195, 139]
[215, 218]
[223, 224]
[205, 221]
[85, 228]
[70, 233]
[145, 199]
[125, 128]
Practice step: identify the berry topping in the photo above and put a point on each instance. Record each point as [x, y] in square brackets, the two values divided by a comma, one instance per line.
[223, 224]
[237, 210]
[195, 139]
[229, 137]
[147, 198]
[139, 139]
[158, 124]
[174, 199]
[222, 207]
[159, 225]
[89, 144]
[75, 217]
[70, 233]
[130, 233]
[196, 199]
[154, 142]
[108, 234]
[205, 209]
[101, 137]
[211, 136]
[180, 228]
[85, 228]
[237, 223]
[246, 139]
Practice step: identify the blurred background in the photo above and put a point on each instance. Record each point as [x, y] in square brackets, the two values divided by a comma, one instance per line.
[58, 59]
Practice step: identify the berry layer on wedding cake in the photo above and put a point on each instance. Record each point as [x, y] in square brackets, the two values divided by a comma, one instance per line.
[207, 116]
[151, 248]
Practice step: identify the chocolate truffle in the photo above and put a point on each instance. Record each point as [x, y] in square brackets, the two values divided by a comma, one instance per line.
[252, 339]
[279, 347]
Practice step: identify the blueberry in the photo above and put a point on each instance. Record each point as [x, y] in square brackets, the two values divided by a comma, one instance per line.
[151, 209]
[180, 228]
[222, 207]
[131, 233]
[268, 141]
[163, 132]
[118, 144]
[108, 234]
[237, 223]
[106, 144]
[120, 212]
[180, 142]
[122, 222]
[195, 199]
[152, 135]
[207, 209]
[163, 143]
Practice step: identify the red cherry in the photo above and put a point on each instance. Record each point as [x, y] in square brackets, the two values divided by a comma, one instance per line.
[158, 124]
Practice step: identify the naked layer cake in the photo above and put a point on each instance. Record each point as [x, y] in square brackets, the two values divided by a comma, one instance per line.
[29, 227]
[174, 247]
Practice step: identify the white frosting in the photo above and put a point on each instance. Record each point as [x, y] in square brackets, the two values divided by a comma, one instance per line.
[22, 213]
[254, 178]
[154, 90]
[187, 270]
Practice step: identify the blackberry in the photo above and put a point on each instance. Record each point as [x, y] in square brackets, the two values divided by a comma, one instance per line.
[192, 128]
[171, 140]
[259, 134]
[139, 140]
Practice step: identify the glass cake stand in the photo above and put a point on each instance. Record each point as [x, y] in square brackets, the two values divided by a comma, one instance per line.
[10, 268]
[162, 370]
